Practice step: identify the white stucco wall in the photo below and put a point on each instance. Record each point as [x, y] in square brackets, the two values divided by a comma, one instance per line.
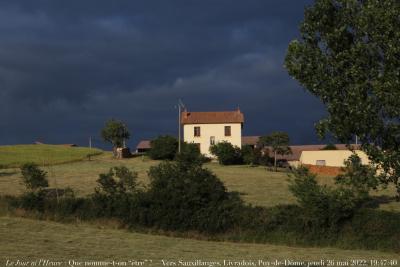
[333, 158]
[216, 130]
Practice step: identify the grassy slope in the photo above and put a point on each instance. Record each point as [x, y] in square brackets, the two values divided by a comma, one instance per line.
[256, 185]
[59, 241]
[14, 156]
[54, 241]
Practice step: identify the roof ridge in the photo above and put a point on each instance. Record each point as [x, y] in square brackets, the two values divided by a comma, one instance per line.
[235, 111]
[190, 117]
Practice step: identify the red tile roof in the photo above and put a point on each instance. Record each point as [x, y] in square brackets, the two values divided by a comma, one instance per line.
[212, 117]
[144, 144]
[250, 140]
[296, 150]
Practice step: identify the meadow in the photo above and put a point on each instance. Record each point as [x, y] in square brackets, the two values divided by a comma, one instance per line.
[89, 242]
[256, 185]
[106, 241]
[14, 156]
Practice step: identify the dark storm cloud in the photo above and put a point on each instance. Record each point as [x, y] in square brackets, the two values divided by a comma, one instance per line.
[67, 66]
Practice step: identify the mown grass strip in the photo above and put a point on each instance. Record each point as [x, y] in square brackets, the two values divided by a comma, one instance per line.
[44, 155]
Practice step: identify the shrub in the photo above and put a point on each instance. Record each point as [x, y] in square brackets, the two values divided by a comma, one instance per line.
[115, 193]
[190, 155]
[163, 147]
[266, 160]
[187, 198]
[60, 208]
[322, 206]
[373, 229]
[227, 153]
[118, 180]
[31, 201]
[327, 207]
[33, 177]
[251, 156]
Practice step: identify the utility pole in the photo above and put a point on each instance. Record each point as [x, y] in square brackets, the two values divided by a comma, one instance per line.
[123, 141]
[180, 106]
[179, 129]
[90, 147]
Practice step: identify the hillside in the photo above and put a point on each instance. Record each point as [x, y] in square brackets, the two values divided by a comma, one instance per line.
[14, 156]
[256, 185]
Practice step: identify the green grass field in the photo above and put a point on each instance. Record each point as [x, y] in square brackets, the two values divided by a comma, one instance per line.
[256, 185]
[81, 241]
[14, 156]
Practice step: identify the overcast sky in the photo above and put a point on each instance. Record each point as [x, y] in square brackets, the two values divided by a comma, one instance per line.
[68, 66]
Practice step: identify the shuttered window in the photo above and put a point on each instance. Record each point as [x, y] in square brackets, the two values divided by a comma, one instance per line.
[227, 130]
[197, 131]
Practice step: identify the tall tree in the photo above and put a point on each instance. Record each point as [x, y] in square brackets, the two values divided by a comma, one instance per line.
[278, 142]
[115, 132]
[349, 56]
[33, 177]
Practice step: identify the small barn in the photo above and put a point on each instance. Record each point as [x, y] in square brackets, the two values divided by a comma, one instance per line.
[294, 158]
[329, 162]
[251, 141]
[143, 146]
[331, 158]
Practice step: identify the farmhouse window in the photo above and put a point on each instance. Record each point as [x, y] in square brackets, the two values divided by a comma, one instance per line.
[320, 163]
[197, 131]
[227, 130]
[212, 140]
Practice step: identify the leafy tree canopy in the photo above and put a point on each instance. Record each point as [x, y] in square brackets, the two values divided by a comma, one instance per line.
[329, 147]
[349, 56]
[118, 180]
[115, 132]
[33, 177]
[278, 141]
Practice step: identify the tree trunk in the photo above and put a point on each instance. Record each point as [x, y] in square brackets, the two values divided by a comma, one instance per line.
[275, 161]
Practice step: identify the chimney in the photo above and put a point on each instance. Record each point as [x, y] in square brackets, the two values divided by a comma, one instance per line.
[185, 114]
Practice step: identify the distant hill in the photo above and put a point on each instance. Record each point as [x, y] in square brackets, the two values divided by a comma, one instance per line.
[16, 155]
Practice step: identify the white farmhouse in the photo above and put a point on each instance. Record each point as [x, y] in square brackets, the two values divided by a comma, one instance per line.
[208, 128]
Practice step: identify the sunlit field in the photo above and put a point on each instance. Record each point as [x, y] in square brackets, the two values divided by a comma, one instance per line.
[256, 185]
[85, 242]
[23, 238]
[14, 156]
